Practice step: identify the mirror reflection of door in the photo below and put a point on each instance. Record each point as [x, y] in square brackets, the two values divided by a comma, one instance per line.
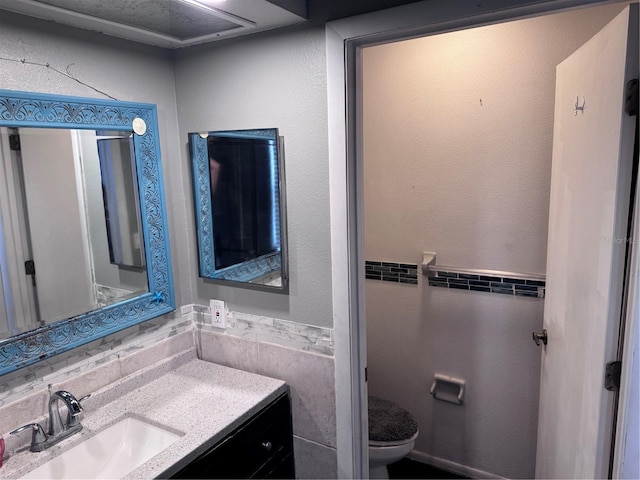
[57, 225]
[244, 197]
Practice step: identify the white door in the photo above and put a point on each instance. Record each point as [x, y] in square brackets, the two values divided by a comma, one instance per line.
[590, 185]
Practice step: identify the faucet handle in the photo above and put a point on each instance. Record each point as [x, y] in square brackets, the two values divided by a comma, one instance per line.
[38, 437]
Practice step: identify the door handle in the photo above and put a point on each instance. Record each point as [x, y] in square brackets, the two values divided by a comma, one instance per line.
[540, 337]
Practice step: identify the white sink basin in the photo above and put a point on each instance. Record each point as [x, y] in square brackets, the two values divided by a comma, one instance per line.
[111, 453]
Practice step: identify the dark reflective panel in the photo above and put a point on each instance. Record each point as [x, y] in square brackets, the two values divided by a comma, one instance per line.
[239, 181]
[244, 186]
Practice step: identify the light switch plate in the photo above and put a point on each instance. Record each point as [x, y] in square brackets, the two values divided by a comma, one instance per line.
[218, 313]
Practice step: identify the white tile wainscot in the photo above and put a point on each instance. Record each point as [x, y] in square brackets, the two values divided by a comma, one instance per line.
[266, 329]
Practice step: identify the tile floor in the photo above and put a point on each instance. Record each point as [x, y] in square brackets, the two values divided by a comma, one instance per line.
[407, 468]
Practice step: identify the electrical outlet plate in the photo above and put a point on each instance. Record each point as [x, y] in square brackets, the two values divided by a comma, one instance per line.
[218, 313]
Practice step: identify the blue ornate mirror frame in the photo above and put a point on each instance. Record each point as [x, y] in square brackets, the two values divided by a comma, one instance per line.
[25, 109]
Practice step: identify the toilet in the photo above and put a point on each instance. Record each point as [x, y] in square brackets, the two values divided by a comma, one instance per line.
[392, 435]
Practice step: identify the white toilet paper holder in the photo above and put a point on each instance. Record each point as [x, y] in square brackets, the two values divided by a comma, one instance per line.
[447, 389]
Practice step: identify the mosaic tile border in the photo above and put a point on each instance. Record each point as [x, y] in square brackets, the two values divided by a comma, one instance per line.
[128, 345]
[488, 281]
[266, 329]
[60, 368]
[391, 272]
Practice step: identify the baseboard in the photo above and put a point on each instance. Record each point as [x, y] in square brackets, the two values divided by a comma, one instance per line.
[450, 466]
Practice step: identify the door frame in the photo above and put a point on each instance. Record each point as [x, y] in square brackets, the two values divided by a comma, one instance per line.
[345, 40]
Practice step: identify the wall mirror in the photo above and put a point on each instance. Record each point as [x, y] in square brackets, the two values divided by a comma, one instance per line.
[83, 233]
[240, 209]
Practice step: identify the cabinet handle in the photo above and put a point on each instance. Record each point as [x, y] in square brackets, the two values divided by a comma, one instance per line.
[267, 446]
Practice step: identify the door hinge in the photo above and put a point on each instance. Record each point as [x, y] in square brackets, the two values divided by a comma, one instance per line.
[14, 142]
[29, 267]
[612, 374]
[631, 97]
[365, 374]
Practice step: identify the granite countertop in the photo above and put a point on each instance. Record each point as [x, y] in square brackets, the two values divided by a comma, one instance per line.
[199, 400]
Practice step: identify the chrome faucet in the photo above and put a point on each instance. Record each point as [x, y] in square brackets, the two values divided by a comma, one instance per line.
[57, 431]
[73, 410]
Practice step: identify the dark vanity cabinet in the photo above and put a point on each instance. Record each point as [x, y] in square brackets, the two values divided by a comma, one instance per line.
[262, 447]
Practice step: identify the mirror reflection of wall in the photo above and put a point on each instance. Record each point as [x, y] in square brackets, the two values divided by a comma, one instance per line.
[55, 259]
[239, 195]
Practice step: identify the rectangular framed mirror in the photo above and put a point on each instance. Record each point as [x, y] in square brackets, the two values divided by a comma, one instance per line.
[84, 248]
[240, 206]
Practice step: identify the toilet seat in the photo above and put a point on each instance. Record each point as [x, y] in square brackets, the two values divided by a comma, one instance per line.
[390, 424]
[374, 444]
[392, 435]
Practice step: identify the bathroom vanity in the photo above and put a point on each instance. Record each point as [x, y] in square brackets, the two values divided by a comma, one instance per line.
[261, 448]
[227, 423]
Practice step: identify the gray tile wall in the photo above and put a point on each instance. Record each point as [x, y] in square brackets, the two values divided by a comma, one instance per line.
[311, 378]
[314, 460]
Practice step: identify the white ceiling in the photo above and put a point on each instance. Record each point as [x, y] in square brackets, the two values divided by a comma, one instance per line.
[164, 23]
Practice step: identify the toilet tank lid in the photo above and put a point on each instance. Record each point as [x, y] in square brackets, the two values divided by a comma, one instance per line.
[389, 422]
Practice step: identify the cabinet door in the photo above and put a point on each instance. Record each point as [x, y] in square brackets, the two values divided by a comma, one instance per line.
[261, 448]
[278, 469]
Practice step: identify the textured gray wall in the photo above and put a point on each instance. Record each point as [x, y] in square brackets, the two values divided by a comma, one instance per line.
[275, 79]
[122, 69]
